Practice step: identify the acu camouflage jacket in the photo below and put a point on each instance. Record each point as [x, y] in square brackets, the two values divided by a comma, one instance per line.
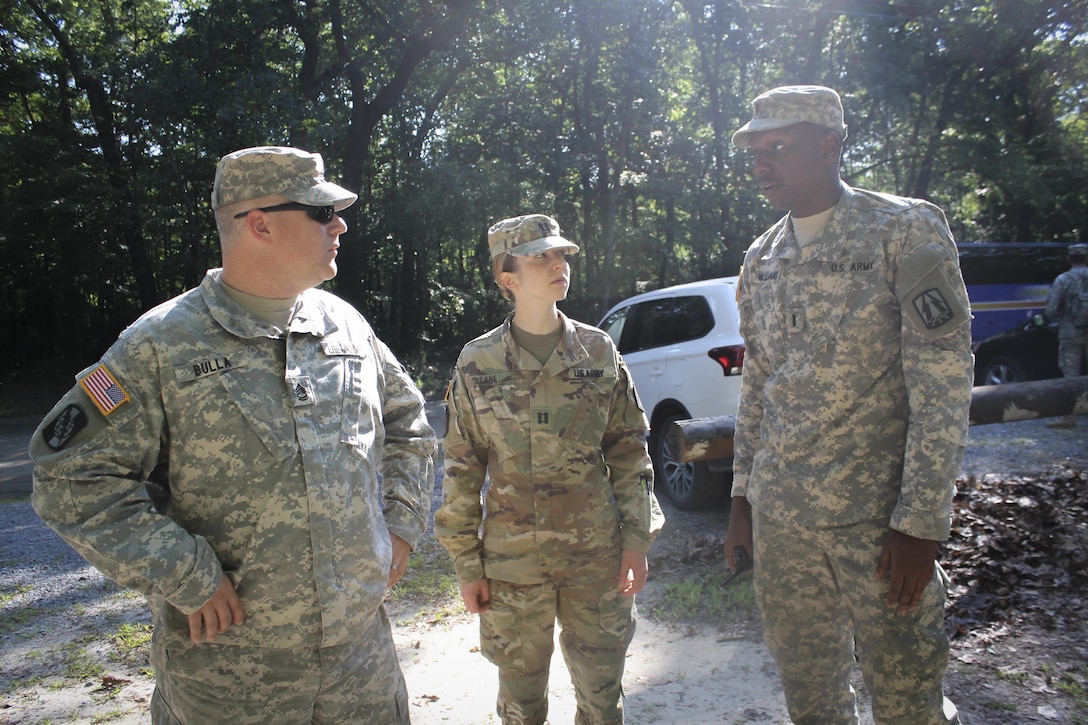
[206, 441]
[858, 369]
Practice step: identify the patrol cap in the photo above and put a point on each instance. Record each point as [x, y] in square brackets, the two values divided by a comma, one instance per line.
[267, 170]
[523, 236]
[1078, 250]
[788, 105]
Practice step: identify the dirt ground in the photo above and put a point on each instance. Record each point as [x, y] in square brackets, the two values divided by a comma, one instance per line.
[74, 645]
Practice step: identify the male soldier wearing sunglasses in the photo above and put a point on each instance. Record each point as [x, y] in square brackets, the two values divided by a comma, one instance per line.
[251, 458]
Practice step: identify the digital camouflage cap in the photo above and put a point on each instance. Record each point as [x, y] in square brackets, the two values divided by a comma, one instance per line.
[269, 170]
[788, 105]
[526, 235]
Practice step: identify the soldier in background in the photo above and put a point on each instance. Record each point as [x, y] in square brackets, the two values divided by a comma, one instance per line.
[544, 407]
[223, 459]
[852, 423]
[1068, 304]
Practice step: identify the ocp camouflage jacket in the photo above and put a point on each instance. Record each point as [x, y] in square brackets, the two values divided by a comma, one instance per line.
[564, 449]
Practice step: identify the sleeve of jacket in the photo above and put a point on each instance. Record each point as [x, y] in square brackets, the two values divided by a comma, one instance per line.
[1055, 300]
[407, 454]
[91, 475]
[457, 521]
[750, 410]
[630, 468]
[937, 368]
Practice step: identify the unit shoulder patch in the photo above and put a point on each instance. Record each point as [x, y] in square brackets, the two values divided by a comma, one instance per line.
[933, 309]
[63, 428]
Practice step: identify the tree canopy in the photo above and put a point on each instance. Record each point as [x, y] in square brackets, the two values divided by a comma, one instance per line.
[613, 116]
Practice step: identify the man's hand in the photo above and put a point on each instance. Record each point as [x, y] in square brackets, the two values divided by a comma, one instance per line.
[633, 571]
[216, 617]
[401, 550]
[739, 532]
[908, 564]
[477, 596]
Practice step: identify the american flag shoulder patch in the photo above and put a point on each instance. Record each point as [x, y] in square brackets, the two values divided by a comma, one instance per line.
[104, 390]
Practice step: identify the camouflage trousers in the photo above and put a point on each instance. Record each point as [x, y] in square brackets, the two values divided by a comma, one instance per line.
[218, 683]
[518, 635]
[820, 605]
[1072, 355]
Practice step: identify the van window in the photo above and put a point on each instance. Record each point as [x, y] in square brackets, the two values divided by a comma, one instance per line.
[1007, 282]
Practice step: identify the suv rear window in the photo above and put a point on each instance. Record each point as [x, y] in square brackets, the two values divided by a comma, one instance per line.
[656, 323]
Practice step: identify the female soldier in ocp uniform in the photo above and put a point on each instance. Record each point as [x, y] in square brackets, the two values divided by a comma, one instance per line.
[544, 408]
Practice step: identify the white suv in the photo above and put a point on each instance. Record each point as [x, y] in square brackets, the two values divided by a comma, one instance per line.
[685, 352]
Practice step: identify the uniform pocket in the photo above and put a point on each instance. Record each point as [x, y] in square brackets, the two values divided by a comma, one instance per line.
[618, 614]
[500, 642]
[357, 427]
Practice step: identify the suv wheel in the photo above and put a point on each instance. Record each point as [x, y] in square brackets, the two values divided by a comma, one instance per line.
[1001, 370]
[690, 485]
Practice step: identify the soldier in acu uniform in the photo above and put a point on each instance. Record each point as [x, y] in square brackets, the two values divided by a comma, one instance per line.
[1068, 304]
[544, 408]
[252, 459]
[852, 422]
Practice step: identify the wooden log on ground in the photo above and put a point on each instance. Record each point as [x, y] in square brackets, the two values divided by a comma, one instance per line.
[700, 439]
[1027, 401]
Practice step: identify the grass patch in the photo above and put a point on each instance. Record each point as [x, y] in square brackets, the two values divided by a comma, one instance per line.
[429, 587]
[80, 665]
[1017, 677]
[7, 596]
[18, 618]
[1075, 684]
[115, 714]
[706, 597]
[131, 637]
[1000, 705]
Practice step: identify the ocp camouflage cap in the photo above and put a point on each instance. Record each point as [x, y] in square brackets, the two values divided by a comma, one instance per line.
[523, 236]
[267, 170]
[788, 105]
[1078, 249]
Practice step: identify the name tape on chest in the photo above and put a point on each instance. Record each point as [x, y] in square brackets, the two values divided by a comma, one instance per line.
[206, 366]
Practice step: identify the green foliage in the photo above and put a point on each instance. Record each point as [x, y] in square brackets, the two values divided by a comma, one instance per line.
[703, 596]
[428, 586]
[614, 116]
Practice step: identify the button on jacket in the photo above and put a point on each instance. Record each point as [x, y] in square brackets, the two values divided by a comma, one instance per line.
[238, 448]
[857, 373]
[564, 447]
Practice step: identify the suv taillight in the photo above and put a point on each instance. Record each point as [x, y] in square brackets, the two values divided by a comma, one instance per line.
[730, 357]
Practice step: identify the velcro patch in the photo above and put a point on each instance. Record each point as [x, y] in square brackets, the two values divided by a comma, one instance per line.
[301, 389]
[933, 309]
[68, 422]
[104, 390]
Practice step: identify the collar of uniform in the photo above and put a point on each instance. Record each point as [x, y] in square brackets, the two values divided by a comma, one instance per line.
[568, 353]
[309, 316]
[828, 244]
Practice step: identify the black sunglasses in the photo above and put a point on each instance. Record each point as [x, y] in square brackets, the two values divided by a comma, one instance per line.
[320, 214]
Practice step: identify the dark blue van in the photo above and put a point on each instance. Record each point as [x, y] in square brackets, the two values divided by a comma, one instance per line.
[1008, 283]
